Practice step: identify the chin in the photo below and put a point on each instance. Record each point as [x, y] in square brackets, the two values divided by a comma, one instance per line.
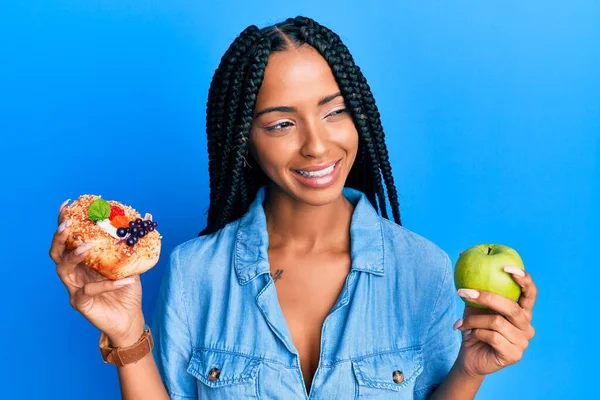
[320, 197]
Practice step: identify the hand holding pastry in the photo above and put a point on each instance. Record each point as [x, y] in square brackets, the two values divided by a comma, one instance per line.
[99, 249]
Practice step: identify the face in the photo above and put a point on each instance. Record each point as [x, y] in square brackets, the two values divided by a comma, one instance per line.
[302, 136]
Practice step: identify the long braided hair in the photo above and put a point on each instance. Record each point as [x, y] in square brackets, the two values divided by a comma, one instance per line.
[234, 177]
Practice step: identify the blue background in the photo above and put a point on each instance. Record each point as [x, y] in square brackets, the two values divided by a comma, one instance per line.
[491, 111]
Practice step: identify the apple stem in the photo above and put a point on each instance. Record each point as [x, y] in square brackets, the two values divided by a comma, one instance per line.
[489, 250]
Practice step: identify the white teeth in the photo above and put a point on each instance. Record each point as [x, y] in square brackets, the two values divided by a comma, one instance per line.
[315, 174]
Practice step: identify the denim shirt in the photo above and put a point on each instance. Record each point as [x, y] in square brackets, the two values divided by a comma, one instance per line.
[219, 331]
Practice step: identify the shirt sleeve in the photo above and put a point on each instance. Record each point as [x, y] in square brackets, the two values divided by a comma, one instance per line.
[443, 343]
[170, 331]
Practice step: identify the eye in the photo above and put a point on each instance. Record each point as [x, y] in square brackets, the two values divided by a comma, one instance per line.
[279, 127]
[338, 112]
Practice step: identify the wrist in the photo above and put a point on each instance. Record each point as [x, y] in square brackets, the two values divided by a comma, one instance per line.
[458, 385]
[460, 372]
[130, 337]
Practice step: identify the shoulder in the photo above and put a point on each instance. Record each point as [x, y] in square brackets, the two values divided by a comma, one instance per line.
[223, 239]
[404, 242]
[419, 270]
[409, 256]
[205, 255]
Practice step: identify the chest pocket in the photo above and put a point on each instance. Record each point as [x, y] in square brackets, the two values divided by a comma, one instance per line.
[224, 375]
[389, 374]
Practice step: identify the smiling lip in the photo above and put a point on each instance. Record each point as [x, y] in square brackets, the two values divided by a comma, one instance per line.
[318, 167]
[320, 182]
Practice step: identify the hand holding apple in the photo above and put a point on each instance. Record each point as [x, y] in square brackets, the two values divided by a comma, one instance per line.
[496, 328]
[481, 267]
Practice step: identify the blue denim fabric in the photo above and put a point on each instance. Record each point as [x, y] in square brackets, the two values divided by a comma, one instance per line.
[218, 308]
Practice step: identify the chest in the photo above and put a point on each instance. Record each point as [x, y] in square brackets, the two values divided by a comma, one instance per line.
[352, 353]
[308, 287]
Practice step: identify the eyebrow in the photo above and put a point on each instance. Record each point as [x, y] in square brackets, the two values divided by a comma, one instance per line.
[289, 109]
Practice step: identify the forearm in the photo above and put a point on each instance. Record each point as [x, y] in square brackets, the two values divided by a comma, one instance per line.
[457, 386]
[140, 380]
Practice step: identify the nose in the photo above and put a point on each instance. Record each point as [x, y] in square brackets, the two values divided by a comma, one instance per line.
[315, 142]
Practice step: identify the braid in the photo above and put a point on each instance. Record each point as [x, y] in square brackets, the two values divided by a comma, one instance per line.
[242, 130]
[234, 177]
[374, 119]
[222, 110]
[217, 95]
[222, 116]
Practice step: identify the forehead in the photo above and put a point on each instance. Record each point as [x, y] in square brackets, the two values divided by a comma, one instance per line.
[296, 76]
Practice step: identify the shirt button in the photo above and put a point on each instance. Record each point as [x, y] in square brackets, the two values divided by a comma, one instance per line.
[398, 377]
[213, 374]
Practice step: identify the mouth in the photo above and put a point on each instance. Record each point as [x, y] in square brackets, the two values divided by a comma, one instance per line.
[319, 178]
[320, 172]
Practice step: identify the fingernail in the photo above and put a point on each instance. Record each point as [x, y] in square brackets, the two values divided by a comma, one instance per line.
[468, 293]
[83, 248]
[64, 203]
[124, 282]
[467, 333]
[457, 324]
[65, 224]
[514, 270]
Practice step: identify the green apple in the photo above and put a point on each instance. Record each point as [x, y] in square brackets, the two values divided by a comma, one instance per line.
[481, 267]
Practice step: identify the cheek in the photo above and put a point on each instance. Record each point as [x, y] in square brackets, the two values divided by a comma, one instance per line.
[354, 140]
[271, 155]
[345, 133]
[351, 147]
[350, 141]
[267, 162]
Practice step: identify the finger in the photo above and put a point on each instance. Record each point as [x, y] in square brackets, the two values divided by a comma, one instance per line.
[507, 353]
[57, 248]
[458, 325]
[528, 289]
[499, 324]
[62, 208]
[83, 298]
[71, 260]
[507, 307]
[477, 311]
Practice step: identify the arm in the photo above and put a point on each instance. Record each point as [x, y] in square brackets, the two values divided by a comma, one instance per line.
[114, 307]
[493, 337]
[442, 378]
[168, 362]
[457, 386]
[173, 342]
[140, 380]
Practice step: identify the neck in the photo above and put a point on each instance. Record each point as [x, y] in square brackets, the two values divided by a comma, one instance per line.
[293, 223]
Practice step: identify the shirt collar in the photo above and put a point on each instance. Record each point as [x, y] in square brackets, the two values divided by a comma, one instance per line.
[252, 239]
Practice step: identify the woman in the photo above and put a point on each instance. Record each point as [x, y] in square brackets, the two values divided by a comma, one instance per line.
[297, 287]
